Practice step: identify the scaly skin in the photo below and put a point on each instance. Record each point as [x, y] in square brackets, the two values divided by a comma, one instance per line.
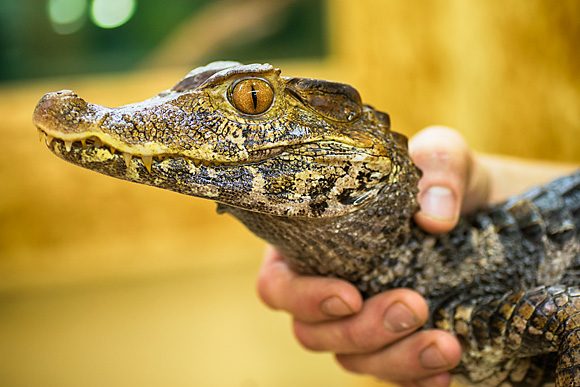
[309, 168]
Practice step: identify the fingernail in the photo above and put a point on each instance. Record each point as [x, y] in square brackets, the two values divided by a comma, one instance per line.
[399, 318]
[432, 358]
[335, 307]
[439, 202]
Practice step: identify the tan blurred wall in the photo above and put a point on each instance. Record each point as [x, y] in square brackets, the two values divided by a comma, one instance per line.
[506, 73]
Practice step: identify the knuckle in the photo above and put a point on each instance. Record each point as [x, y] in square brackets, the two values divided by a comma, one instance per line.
[273, 286]
[273, 291]
[265, 291]
[358, 339]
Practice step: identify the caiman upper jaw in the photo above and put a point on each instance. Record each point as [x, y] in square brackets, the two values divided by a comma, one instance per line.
[63, 110]
[64, 116]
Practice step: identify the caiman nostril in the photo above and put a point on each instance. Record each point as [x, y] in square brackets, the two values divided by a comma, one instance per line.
[66, 93]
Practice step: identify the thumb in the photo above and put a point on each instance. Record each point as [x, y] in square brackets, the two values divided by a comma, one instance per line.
[451, 179]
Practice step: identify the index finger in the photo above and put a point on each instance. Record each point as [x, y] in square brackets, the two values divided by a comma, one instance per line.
[309, 299]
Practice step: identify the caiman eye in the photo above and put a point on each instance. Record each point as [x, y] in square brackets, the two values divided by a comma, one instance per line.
[252, 96]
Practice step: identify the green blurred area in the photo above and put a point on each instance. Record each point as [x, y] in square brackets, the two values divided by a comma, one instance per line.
[31, 47]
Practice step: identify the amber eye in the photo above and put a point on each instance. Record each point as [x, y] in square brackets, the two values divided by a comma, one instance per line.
[252, 96]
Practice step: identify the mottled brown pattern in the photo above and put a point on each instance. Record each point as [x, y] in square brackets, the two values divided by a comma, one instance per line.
[309, 168]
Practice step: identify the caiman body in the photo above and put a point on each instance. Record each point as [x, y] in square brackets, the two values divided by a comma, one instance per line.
[309, 168]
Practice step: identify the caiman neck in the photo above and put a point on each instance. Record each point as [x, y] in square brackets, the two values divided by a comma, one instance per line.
[349, 246]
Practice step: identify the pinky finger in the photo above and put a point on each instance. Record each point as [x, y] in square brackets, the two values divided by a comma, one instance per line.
[442, 380]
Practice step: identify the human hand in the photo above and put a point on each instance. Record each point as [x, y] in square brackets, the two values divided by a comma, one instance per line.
[378, 337]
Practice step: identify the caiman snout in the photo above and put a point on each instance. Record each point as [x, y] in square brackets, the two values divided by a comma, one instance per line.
[57, 96]
[51, 100]
[62, 109]
[62, 94]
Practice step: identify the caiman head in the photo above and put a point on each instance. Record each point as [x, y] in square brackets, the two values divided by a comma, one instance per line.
[241, 135]
[274, 151]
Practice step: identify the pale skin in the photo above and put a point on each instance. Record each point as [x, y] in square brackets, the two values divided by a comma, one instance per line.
[378, 336]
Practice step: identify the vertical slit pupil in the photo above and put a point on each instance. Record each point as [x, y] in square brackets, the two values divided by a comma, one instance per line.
[251, 96]
[255, 97]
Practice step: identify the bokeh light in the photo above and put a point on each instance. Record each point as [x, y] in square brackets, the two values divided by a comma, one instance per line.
[72, 37]
[112, 13]
[67, 16]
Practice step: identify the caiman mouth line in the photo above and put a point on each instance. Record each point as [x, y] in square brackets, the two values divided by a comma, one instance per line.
[147, 160]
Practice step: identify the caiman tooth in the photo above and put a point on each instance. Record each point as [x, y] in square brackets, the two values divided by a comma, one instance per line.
[49, 140]
[94, 141]
[68, 145]
[197, 162]
[127, 157]
[41, 135]
[112, 150]
[147, 161]
[84, 143]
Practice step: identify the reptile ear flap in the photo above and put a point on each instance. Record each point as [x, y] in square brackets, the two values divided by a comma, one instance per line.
[334, 100]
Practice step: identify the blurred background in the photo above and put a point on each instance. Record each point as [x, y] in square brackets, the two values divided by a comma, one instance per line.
[103, 282]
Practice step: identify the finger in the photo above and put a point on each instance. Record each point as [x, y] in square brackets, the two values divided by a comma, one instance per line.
[443, 379]
[309, 299]
[421, 357]
[384, 319]
[444, 157]
[450, 176]
[478, 190]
